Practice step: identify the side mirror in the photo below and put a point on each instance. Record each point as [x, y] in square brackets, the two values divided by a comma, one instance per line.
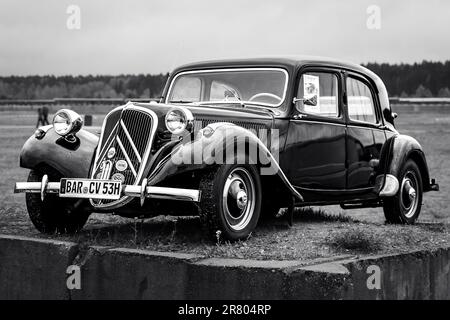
[310, 101]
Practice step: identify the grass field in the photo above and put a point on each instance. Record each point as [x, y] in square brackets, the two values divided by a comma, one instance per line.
[324, 232]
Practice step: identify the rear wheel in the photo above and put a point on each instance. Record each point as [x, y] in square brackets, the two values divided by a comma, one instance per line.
[231, 201]
[405, 206]
[53, 215]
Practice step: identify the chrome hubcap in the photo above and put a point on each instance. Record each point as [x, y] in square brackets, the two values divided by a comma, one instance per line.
[408, 193]
[238, 199]
[241, 199]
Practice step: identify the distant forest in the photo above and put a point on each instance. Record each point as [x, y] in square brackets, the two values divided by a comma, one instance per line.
[49, 87]
[421, 80]
[426, 79]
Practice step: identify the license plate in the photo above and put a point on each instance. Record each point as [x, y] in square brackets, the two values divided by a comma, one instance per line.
[91, 189]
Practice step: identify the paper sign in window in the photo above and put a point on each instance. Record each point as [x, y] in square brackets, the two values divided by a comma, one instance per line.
[311, 92]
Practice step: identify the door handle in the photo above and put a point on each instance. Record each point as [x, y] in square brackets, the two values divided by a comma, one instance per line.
[299, 116]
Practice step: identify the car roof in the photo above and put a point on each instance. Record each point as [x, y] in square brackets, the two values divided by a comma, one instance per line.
[289, 62]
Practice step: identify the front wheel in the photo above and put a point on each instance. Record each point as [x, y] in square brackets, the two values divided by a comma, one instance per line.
[405, 206]
[231, 201]
[53, 215]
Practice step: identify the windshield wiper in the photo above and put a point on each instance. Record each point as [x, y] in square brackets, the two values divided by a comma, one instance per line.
[180, 101]
[228, 90]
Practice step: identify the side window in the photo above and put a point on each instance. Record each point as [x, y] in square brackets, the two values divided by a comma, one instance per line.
[322, 89]
[360, 101]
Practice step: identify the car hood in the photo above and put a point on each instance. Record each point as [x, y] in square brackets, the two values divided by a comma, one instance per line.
[217, 113]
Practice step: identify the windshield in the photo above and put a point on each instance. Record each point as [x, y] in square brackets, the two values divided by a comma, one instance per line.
[251, 86]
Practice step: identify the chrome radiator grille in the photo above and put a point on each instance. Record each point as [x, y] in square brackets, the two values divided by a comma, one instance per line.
[124, 147]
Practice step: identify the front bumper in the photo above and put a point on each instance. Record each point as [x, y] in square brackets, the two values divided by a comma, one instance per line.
[138, 191]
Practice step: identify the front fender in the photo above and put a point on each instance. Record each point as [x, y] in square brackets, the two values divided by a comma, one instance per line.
[214, 149]
[399, 149]
[69, 159]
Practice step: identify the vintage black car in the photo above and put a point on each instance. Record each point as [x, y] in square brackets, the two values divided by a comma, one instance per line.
[232, 141]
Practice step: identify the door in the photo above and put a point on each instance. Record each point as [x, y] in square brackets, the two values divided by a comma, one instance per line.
[315, 146]
[365, 135]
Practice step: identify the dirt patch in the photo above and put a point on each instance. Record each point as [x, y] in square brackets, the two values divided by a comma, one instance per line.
[355, 240]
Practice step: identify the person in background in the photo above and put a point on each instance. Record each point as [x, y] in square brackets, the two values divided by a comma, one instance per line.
[45, 116]
[40, 120]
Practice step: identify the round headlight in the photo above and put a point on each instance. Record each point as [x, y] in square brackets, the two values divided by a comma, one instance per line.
[178, 120]
[67, 122]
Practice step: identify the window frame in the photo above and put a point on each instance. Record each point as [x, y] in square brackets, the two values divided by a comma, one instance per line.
[234, 69]
[202, 89]
[375, 102]
[313, 116]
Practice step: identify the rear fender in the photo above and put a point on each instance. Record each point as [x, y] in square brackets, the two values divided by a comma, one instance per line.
[397, 150]
[69, 159]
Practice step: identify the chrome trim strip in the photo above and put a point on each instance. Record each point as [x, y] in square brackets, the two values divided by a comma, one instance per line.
[44, 184]
[132, 191]
[335, 190]
[126, 156]
[319, 122]
[97, 154]
[231, 70]
[35, 187]
[164, 193]
[373, 127]
[364, 122]
[138, 156]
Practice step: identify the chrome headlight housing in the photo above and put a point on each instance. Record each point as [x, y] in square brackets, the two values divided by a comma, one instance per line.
[67, 122]
[179, 120]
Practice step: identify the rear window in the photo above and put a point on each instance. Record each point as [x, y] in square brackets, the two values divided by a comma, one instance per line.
[360, 101]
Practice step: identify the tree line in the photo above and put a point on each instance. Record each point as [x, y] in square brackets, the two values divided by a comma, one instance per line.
[49, 87]
[425, 79]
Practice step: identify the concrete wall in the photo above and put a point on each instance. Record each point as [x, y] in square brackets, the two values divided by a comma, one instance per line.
[36, 269]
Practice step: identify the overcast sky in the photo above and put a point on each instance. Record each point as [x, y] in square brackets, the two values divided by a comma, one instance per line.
[154, 36]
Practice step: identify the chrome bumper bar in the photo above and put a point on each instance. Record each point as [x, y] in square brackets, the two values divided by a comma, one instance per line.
[143, 191]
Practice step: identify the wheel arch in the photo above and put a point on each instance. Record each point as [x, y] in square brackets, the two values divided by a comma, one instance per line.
[401, 148]
[419, 158]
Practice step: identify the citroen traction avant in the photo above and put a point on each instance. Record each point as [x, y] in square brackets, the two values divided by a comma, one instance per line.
[232, 141]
